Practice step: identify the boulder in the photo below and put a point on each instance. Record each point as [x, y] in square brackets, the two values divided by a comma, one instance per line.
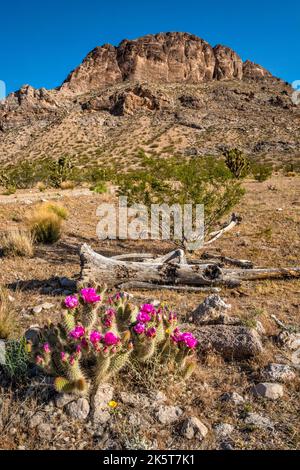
[278, 373]
[257, 420]
[78, 409]
[272, 391]
[211, 310]
[232, 342]
[168, 414]
[193, 428]
[232, 397]
[100, 403]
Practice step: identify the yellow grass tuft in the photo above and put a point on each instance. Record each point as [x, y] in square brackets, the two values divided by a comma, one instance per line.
[18, 242]
[45, 226]
[58, 210]
[67, 185]
[8, 321]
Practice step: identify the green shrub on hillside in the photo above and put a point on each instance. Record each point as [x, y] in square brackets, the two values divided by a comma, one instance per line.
[261, 172]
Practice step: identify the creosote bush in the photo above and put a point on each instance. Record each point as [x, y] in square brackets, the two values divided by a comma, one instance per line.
[98, 337]
[18, 242]
[261, 172]
[175, 180]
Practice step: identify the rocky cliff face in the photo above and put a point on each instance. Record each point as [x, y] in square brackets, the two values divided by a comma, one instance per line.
[161, 58]
[169, 92]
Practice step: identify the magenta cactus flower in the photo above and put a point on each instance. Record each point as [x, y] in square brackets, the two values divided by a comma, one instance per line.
[90, 295]
[143, 317]
[72, 360]
[63, 356]
[176, 335]
[39, 360]
[189, 339]
[46, 348]
[107, 322]
[139, 328]
[110, 312]
[71, 301]
[78, 332]
[110, 339]
[151, 332]
[148, 308]
[84, 344]
[95, 337]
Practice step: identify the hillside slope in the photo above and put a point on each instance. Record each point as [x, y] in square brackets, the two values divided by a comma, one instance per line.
[168, 93]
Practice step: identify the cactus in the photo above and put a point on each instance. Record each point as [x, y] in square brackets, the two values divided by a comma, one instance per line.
[95, 340]
[237, 163]
[119, 361]
[60, 170]
[68, 322]
[101, 368]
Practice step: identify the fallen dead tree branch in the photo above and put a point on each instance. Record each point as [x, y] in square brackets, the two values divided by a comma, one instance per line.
[218, 259]
[171, 270]
[235, 220]
[150, 286]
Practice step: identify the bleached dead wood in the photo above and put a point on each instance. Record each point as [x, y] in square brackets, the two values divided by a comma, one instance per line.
[171, 269]
[262, 273]
[150, 286]
[219, 259]
[213, 236]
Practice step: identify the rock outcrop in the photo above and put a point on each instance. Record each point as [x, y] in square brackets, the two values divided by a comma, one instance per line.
[160, 58]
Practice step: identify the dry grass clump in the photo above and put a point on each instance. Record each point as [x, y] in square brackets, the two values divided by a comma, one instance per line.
[45, 226]
[60, 211]
[8, 320]
[18, 242]
[41, 186]
[45, 223]
[67, 185]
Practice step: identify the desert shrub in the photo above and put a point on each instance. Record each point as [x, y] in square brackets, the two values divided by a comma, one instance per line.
[18, 242]
[237, 163]
[99, 188]
[60, 171]
[16, 360]
[10, 190]
[41, 186]
[8, 322]
[67, 185]
[97, 338]
[291, 168]
[45, 226]
[57, 209]
[205, 181]
[261, 172]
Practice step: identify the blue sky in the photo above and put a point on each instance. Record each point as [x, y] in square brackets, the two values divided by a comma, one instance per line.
[41, 42]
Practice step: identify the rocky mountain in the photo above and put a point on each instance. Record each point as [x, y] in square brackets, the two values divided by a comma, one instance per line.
[166, 93]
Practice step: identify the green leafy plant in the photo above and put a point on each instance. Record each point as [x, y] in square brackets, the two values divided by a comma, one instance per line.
[99, 188]
[205, 181]
[261, 172]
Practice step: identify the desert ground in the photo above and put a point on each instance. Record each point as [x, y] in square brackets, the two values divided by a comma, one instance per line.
[268, 235]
